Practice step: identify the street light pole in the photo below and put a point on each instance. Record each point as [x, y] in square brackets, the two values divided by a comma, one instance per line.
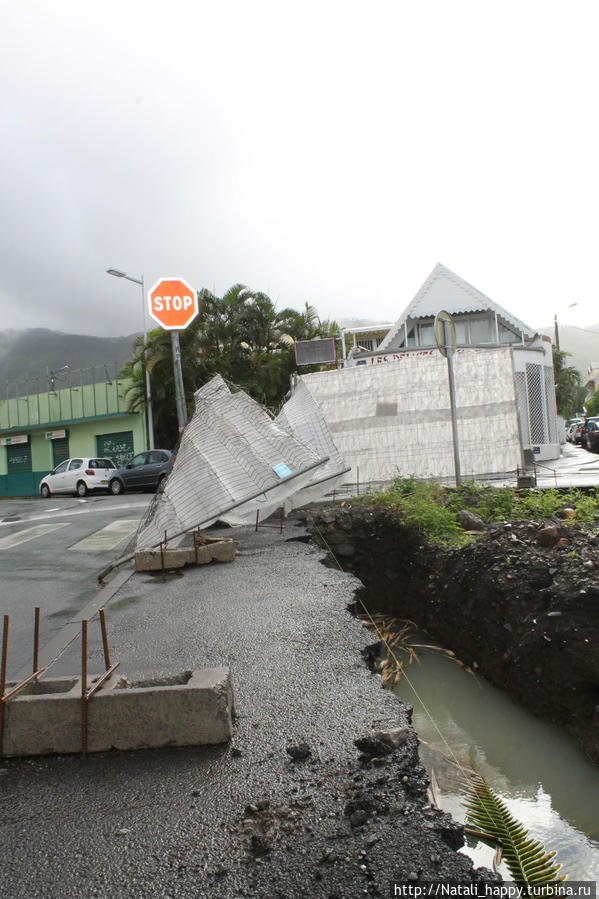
[555, 327]
[149, 416]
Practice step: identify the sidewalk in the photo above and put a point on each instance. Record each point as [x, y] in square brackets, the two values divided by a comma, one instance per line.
[175, 822]
[576, 467]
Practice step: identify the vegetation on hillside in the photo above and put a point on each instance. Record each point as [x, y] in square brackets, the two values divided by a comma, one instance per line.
[433, 509]
[26, 357]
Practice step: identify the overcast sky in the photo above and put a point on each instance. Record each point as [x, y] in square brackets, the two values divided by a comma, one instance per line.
[328, 152]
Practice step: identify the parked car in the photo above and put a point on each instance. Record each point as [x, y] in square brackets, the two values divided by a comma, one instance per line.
[145, 471]
[591, 437]
[571, 427]
[78, 476]
[578, 432]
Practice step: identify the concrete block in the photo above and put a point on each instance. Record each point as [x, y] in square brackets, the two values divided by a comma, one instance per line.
[192, 709]
[153, 559]
[221, 552]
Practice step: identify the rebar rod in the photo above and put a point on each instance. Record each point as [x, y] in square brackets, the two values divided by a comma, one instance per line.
[36, 638]
[104, 639]
[84, 687]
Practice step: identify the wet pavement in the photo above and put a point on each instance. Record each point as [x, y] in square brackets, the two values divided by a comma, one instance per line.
[576, 467]
[169, 822]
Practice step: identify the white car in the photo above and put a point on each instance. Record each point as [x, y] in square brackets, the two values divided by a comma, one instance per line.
[78, 476]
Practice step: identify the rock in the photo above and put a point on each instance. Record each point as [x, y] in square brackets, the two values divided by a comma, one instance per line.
[371, 654]
[359, 817]
[394, 738]
[469, 521]
[373, 746]
[299, 751]
[568, 513]
[259, 845]
[548, 536]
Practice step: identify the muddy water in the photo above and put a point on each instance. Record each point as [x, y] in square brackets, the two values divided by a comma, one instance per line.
[543, 777]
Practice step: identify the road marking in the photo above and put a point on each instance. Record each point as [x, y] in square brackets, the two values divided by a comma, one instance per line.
[30, 534]
[108, 537]
[71, 510]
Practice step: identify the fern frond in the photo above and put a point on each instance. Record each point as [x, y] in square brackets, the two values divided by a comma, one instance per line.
[526, 859]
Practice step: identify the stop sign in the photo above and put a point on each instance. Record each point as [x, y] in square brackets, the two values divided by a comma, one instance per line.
[172, 303]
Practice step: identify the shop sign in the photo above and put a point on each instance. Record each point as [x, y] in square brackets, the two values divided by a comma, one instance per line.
[17, 438]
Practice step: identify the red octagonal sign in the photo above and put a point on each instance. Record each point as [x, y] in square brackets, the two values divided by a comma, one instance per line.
[172, 303]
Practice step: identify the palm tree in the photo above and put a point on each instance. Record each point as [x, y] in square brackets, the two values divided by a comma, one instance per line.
[306, 325]
[569, 392]
[240, 336]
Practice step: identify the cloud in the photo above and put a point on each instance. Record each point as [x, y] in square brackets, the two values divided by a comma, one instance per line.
[331, 153]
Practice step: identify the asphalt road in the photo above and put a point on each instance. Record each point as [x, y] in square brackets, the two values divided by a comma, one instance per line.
[172, 822]
[50, 553]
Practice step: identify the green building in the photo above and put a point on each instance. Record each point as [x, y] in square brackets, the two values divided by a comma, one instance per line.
[40, 430]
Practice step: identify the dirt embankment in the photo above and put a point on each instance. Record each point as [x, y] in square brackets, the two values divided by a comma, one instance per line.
[521, 604]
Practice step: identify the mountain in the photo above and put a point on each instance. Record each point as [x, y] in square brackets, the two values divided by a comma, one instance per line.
[28, 356]
[581, 343]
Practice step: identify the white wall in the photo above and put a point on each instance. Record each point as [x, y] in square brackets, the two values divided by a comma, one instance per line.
[394, 415]
[535, 392]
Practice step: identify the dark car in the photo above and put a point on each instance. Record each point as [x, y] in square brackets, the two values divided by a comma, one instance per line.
[591, 436]
[579, 433]
[146, 471]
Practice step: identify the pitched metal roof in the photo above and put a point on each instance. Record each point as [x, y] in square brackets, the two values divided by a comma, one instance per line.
[443, 289]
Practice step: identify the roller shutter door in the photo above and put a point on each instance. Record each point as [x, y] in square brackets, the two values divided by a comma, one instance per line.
[118, 447]
[19, 469]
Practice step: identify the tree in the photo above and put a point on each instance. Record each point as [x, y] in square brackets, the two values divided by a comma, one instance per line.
[569, 392]
[240, 336]
[158, 357]
[592, 404]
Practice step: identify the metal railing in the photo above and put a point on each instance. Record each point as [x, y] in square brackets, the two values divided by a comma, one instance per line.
[63, 396]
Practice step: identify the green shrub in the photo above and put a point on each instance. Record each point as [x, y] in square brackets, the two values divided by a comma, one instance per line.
[432, 509]
[495, 504]
[421, 505]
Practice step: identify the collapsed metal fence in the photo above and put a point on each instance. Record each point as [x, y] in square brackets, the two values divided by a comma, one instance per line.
[302, 417]
[234, 460]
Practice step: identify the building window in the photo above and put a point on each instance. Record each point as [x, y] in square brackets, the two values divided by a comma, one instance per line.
[480, 331]
[426, 334]
[461, 333]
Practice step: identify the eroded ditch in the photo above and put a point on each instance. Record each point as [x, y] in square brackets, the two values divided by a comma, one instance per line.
[518, 605]
[521, 607]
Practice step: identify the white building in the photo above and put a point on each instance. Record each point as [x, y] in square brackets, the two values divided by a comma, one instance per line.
[388, 410]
